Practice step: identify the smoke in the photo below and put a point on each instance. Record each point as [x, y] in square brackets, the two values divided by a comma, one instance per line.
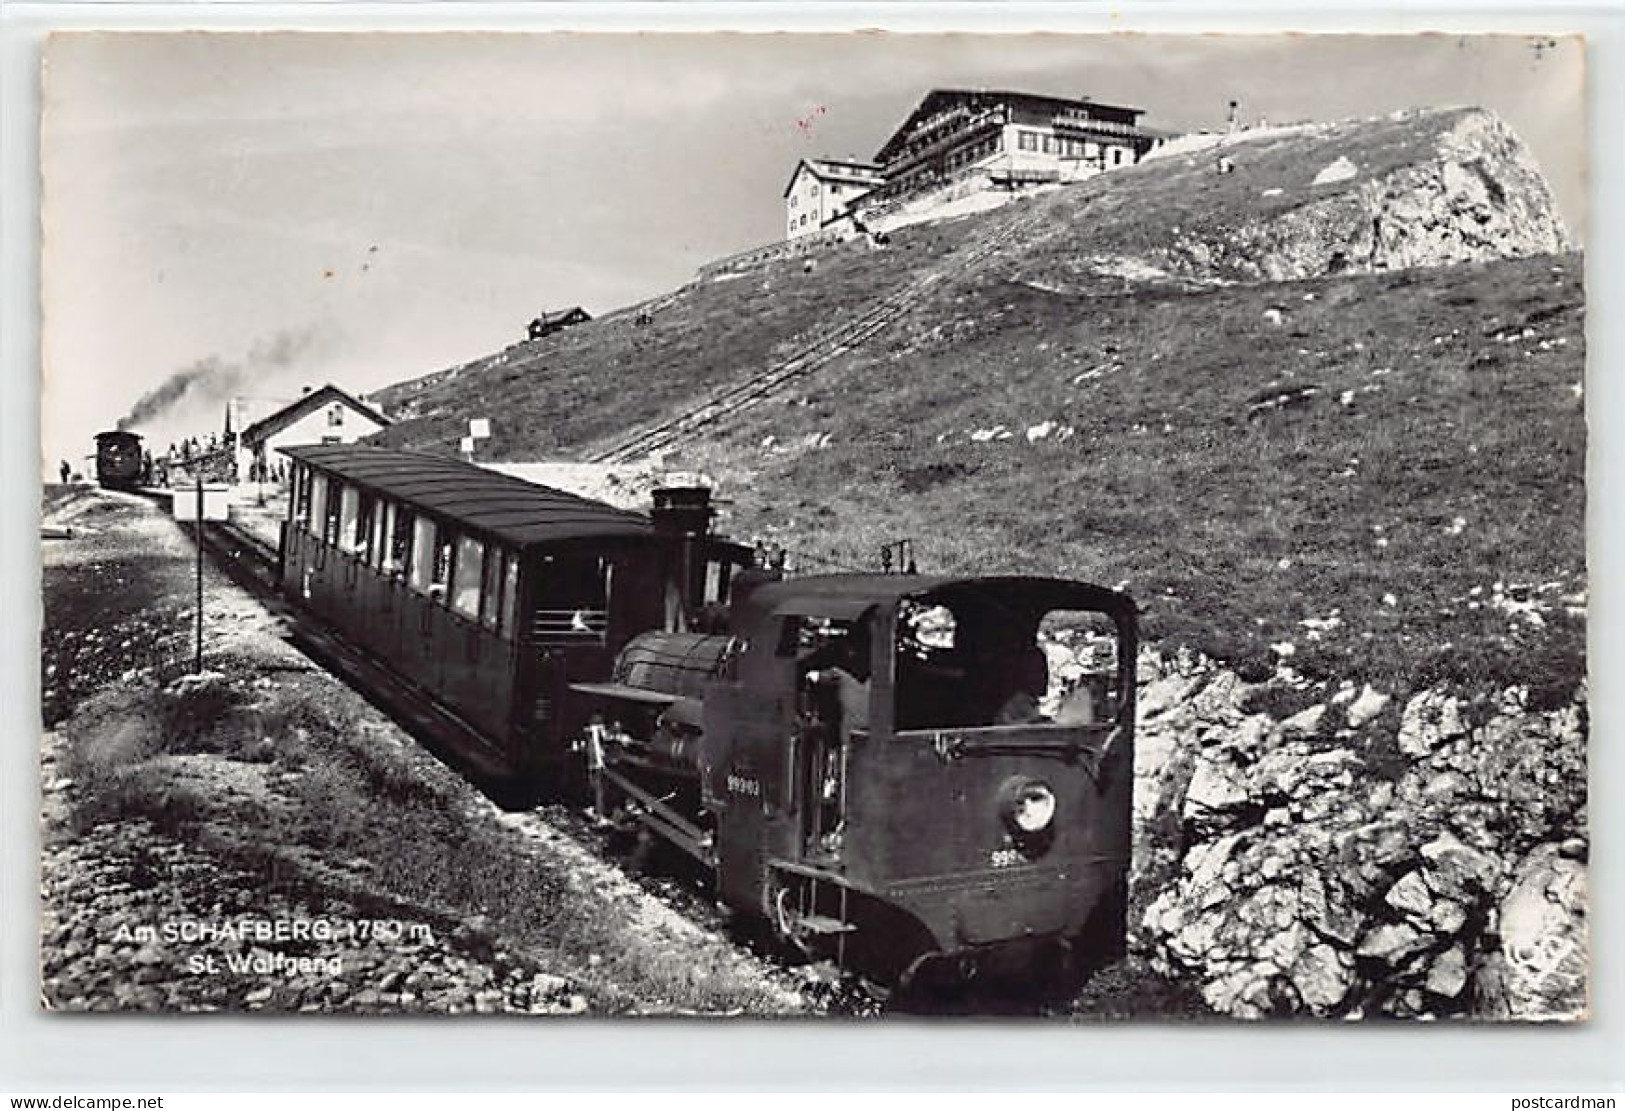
[212, 379]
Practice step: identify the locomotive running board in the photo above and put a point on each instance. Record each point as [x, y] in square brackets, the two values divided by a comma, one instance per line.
[665, 821]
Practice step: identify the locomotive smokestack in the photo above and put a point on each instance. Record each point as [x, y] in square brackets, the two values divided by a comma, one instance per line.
[682, 511]
[683, 514]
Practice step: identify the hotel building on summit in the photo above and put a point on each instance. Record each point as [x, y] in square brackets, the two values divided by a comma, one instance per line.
[976, 139]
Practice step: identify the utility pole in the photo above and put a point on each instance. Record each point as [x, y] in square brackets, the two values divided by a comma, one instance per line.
[197, 661]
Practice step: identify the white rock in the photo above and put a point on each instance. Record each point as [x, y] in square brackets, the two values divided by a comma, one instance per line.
[1411, 897]
[1304, 723]
[1340, 170]
[1367, 706]
[1429, 720]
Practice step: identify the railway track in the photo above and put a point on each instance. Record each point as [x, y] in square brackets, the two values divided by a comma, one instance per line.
[820, 351]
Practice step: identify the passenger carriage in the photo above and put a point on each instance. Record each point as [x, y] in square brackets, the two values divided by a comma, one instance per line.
[489, 593]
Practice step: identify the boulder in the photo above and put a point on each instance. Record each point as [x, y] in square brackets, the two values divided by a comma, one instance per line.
[1304, 723]
[1392, 943]
[1368, 705]
[1457, 870]
[1322, 977]
[1217, 794]
[1447, 976]
[1538, 973]
[1429, 720]
[1411, 897]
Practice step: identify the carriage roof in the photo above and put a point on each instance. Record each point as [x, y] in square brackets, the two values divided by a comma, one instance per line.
[509, 509]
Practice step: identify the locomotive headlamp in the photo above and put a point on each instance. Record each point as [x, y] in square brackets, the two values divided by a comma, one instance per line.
[1028, 806]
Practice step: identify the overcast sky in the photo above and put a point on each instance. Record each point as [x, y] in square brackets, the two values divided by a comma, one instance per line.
[364, 208]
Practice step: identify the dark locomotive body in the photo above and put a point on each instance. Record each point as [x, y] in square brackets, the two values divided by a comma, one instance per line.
[886, 768]
[118, 460]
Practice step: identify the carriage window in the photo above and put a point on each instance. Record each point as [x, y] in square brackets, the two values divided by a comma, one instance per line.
[364, 532]
[718, 578]
[423, 555]
[510, 596]
[349, 512]
[571, 599]
[378, 539]
[443, 552]
[398, 555]
[465, 589]
[491, 587]
[316, 510]
[334, 506]
[299, 501]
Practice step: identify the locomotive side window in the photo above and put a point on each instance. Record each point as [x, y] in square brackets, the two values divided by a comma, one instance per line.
[469, 571]
[718, 578]
[1080, 652]
[990, 661]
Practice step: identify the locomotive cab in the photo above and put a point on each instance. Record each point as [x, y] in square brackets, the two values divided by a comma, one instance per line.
[928, 767]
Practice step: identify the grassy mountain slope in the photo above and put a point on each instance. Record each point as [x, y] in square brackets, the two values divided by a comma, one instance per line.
[1257, 400]
[1415, 436]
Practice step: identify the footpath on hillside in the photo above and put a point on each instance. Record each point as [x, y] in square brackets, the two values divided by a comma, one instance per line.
[257, 837]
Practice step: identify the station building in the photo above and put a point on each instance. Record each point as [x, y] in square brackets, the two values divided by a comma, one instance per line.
[327, 415]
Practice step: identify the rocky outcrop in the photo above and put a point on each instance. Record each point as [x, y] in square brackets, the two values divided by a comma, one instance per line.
[1366, 855]
[1477, 195]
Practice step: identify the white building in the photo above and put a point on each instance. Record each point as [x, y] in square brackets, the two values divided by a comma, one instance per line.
[324, 416]
[822, 190]
[1009, 140]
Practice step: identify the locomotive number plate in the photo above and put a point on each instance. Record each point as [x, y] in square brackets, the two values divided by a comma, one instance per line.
[1005, 858]
[744, 785]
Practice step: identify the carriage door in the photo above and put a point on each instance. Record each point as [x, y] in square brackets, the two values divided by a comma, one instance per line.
[569, 625]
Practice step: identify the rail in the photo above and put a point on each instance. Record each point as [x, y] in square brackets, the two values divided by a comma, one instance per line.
[821, 350]
[569, 626]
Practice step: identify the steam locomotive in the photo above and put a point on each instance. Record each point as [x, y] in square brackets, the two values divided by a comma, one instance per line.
[887, 769]
[118, 460]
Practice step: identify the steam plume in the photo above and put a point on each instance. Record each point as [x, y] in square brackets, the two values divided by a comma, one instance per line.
[213, 379]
